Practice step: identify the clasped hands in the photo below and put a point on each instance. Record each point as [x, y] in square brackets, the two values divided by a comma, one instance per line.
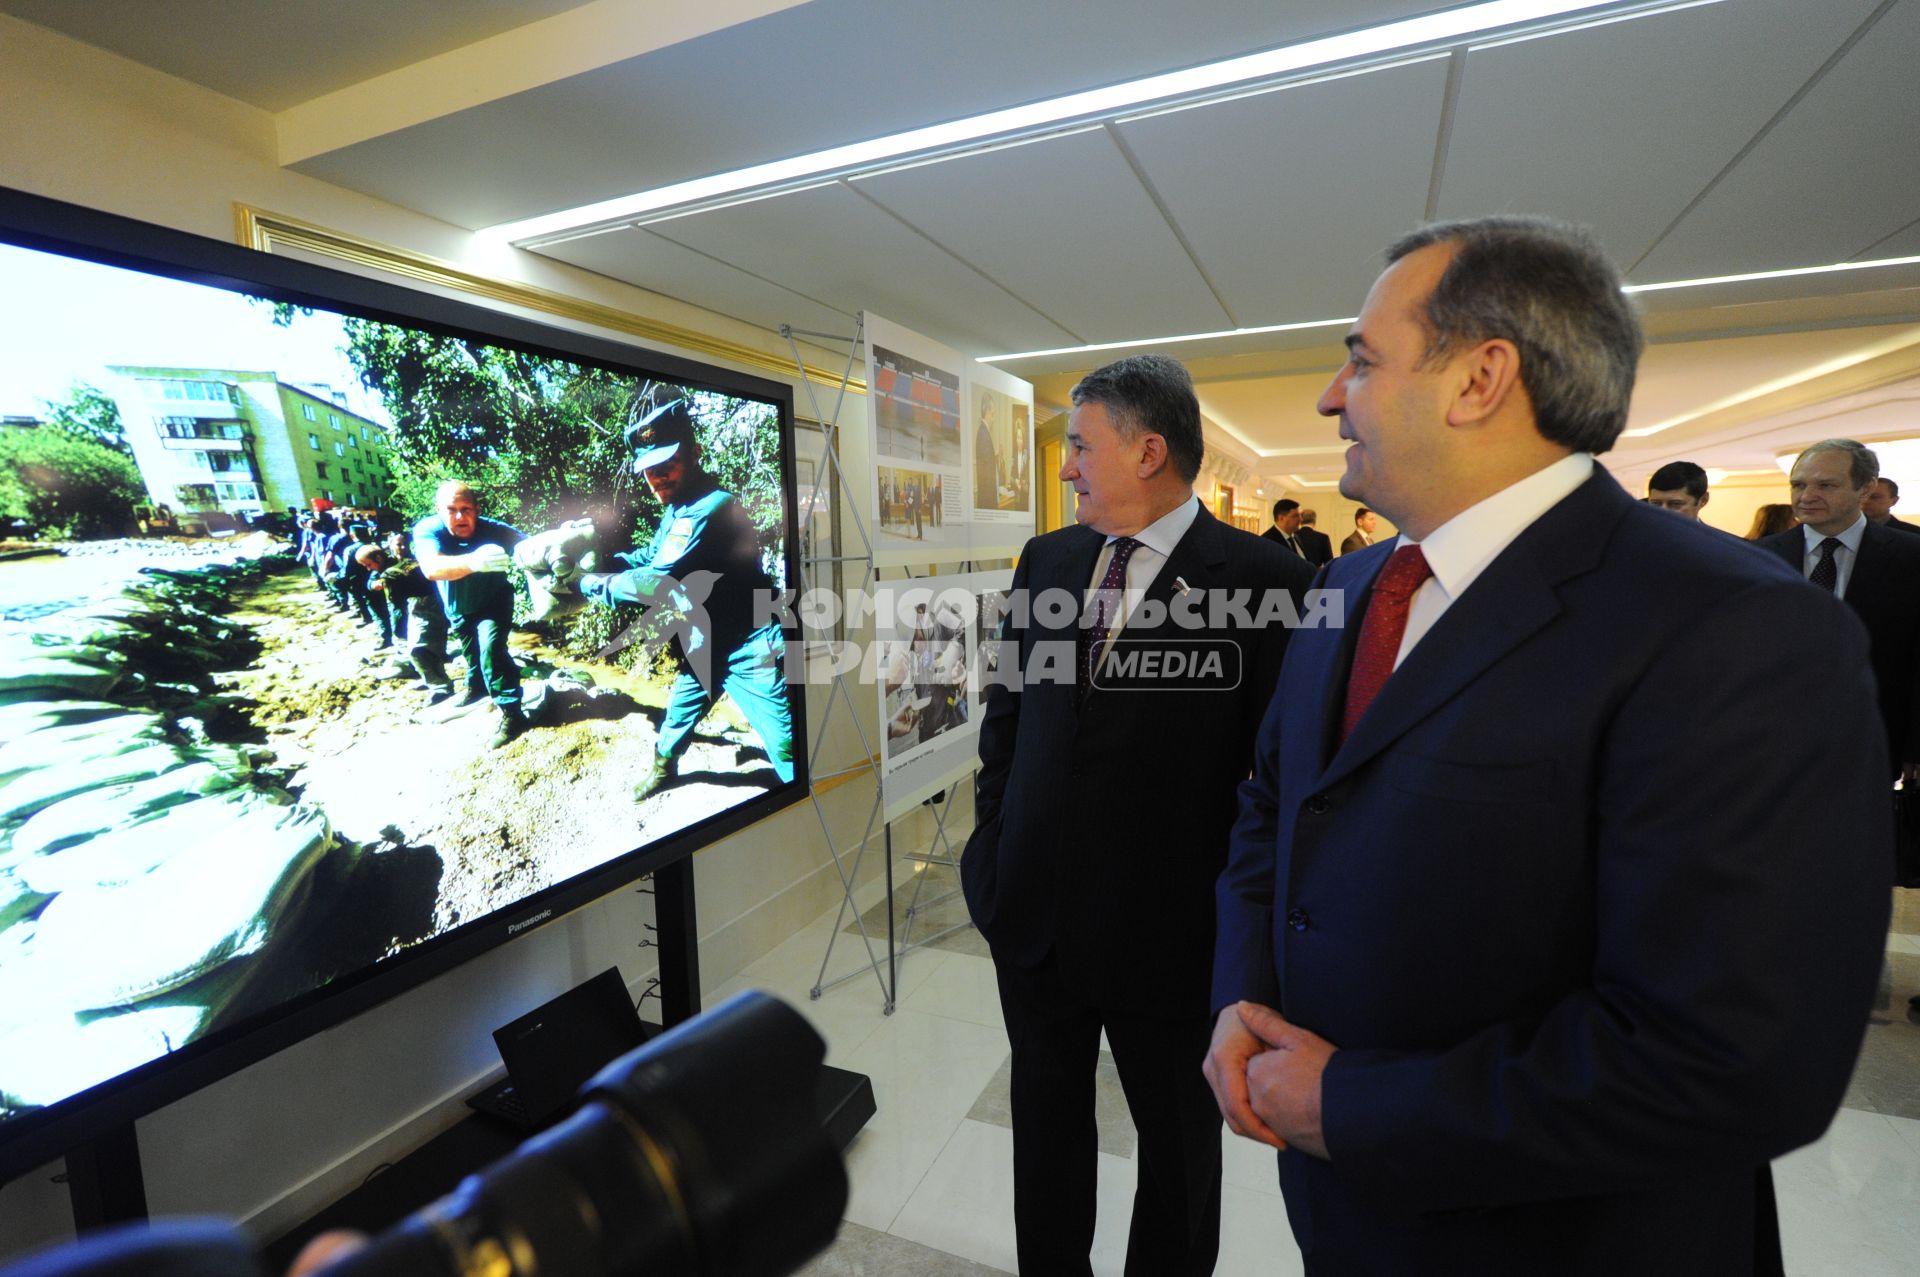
[1265, 1075]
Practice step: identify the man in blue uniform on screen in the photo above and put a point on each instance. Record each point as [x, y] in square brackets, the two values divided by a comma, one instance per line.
[705, 561]
[468, 556]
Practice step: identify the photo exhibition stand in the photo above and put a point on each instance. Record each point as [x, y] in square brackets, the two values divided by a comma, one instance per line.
[105, 1184]
[849, 858]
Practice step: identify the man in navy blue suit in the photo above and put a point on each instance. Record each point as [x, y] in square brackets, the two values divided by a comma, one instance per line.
[1520, 980]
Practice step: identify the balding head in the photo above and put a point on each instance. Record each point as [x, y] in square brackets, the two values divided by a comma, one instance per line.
[459, 507]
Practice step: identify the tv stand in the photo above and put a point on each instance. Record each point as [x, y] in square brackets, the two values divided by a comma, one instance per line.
[104, 1181]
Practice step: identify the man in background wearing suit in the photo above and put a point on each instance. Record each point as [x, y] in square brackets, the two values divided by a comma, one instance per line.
[1286, 526]
[1876, 571]
[1678, 486]
[1102, 811]
[1315, 546]
[1364, 522]
[1882, 495]
[1520, 980]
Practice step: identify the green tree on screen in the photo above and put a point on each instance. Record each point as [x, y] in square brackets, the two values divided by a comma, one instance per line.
[90, 416]
[66, 485]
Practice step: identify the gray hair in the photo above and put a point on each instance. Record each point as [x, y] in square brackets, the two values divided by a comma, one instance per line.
[1547, 287]
[1863, 467]
[1151, 393]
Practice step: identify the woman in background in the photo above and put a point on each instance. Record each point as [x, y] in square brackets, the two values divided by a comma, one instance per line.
[1769, 519]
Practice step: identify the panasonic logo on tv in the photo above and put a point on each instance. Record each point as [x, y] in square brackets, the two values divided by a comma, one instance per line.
[538, 918]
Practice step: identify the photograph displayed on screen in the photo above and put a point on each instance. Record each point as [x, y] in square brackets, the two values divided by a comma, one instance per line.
[360, 633]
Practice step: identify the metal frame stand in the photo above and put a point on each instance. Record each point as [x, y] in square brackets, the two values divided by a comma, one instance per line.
[941, 852]
[848, 860]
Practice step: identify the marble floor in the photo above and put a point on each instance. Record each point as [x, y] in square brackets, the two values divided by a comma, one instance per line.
[931, 1173]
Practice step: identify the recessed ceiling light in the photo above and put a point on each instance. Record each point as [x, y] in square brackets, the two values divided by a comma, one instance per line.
[1424, 30]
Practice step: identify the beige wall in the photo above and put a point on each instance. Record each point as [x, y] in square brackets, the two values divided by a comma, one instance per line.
[1732, 503]
[274, 1142]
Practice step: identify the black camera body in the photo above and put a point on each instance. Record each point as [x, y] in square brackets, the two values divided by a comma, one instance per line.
[699, 1153]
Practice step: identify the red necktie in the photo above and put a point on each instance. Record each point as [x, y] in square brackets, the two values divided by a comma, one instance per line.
[1380, 633]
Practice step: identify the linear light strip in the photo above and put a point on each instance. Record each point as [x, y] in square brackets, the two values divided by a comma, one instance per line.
[1771, 274]
[1607, 21]
[1169, 341]
[1452, 24]
[1705, 282]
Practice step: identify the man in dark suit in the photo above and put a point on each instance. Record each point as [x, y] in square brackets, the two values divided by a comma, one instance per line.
[1876, 571]
[1840, 548]
[1316, 547]
[1521, 980]
[1102, 808]
[1882, 495]
[1680, 487]
[1286, 526]
[1364, 522]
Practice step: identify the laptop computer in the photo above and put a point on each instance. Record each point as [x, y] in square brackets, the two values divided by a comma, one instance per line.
[551, 1051]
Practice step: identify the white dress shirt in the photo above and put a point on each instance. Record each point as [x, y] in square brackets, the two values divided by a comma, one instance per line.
[1843, 558]
[1156, 540]
[1460, 549]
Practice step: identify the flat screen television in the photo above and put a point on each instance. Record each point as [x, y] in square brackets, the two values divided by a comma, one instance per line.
[237, 805]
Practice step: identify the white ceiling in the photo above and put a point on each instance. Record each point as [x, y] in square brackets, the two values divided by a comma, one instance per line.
[1721, 138]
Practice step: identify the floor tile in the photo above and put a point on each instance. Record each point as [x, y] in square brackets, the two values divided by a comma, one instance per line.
[867, 1252]
[1887, 1077]
[1118, 1176]
[1255, 1240]
[1112, 1119]
[961, 986]
[1847, 1201]
[964, 1204]
[1249, 1165]
[926, 1071]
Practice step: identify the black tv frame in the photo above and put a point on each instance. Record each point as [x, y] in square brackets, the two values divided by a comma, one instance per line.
[102, 1116]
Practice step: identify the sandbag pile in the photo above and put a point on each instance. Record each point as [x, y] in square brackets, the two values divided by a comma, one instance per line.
[144, 864]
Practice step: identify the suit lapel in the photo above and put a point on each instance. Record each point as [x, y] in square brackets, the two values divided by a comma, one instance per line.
[1510, 601]
[1196, 558]
[1869, 575]
[1790, 546]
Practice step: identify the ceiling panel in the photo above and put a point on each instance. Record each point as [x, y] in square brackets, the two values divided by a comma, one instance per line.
[1276, 418]
[1902, 243]
[1582, 125]
[814, 76]
[1840, 173]
[274, 56]
[1288, 197]
[645, 260]
[831, 244]
[1026, 215]
[1680, 377]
